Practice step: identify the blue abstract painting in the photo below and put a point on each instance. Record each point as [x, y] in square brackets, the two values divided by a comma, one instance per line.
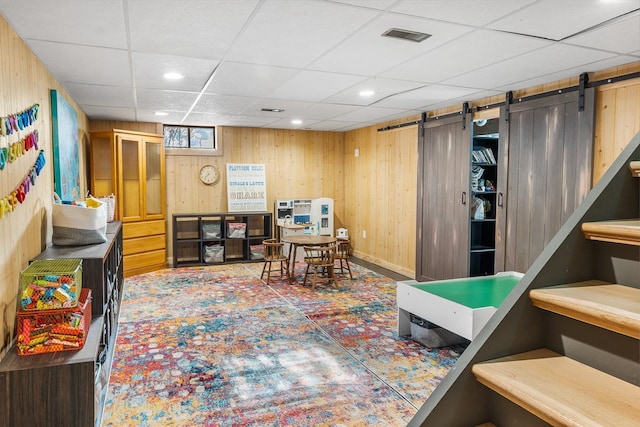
[66, 159]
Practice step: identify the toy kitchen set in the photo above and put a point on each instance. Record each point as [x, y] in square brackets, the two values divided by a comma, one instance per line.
[304, 216]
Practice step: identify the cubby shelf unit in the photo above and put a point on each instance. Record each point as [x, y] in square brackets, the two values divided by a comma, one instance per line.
[217, 238]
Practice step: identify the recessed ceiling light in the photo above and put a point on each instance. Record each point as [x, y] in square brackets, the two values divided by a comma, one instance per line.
[296, 122]
[173, 76]
[161, 113]
[413, 36]
[366, 93]
[273, 110]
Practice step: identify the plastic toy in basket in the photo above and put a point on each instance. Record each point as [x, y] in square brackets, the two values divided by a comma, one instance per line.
[51, 284]
[48, 331]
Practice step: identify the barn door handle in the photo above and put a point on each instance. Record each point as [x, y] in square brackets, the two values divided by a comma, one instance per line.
[500, 200]
[464, 197]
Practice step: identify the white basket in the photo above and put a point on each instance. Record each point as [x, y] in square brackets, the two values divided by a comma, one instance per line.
[110, 202]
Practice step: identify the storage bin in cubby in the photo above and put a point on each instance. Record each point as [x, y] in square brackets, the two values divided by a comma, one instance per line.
[236, 230]
[256, 252]
[51, 284]
[47, 331]
[211, 230]
[213, 253]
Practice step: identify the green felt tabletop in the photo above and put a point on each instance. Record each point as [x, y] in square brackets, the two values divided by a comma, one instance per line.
[473, 292]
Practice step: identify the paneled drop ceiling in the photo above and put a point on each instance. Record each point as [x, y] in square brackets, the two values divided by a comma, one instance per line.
[312, 58]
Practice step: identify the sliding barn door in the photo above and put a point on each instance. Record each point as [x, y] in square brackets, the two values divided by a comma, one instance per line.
[443, 199]
[550, 154]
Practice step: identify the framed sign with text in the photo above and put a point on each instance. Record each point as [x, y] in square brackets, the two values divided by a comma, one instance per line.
[246, 187]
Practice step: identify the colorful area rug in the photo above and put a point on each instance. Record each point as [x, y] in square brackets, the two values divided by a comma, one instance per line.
[216, 346]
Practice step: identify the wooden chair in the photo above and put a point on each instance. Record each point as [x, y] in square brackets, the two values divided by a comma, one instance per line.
[321, 260]
[342, 254]
[273, 255]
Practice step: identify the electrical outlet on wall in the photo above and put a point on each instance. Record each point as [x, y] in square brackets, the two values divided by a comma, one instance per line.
[356, 152]
[364, 234]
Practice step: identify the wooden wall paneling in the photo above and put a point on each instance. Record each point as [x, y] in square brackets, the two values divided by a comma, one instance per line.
[402, 197]
[617, 121]
[377, 240]
[357, 191]
[24, 81]
[627, 115]
[604, 144]
[298, 164]
[374, 182]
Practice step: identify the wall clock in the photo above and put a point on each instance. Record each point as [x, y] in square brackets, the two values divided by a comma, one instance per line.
[209, 174]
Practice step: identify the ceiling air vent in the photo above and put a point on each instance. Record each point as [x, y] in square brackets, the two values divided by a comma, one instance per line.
[413, 36]
[272, 110]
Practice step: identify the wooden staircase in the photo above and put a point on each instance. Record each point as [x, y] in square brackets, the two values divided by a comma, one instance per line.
[564, 348]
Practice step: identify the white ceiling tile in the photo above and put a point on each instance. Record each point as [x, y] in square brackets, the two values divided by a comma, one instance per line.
[557, 57]
[329, 125]
[425, 96]
[256, 120]
[310, 28]
[555, 20]
[204, 119]
[172, 118]
[377, 53]
[325, 111]
[197, 28]
[310, 57]
[604, 37]
[102, 23]
[150, 68]
[375, 4]
[368, 114]
[314, 86]
[476, 13]
[166, 100]
[223, 104]
[84, 64]
[110, 113]
[471, 51]
[115, 96]
[289, 107]
[234, 78]
[286, 124]
[382, 88]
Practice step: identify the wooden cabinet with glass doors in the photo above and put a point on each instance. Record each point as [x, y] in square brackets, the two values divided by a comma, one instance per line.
[130, 165]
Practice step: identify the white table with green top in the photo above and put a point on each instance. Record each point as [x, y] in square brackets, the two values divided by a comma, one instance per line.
[462, 306]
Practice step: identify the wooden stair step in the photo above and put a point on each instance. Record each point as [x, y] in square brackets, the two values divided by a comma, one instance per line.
[626, 231]
[609, 306]
[560, 390]
[634, 167]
